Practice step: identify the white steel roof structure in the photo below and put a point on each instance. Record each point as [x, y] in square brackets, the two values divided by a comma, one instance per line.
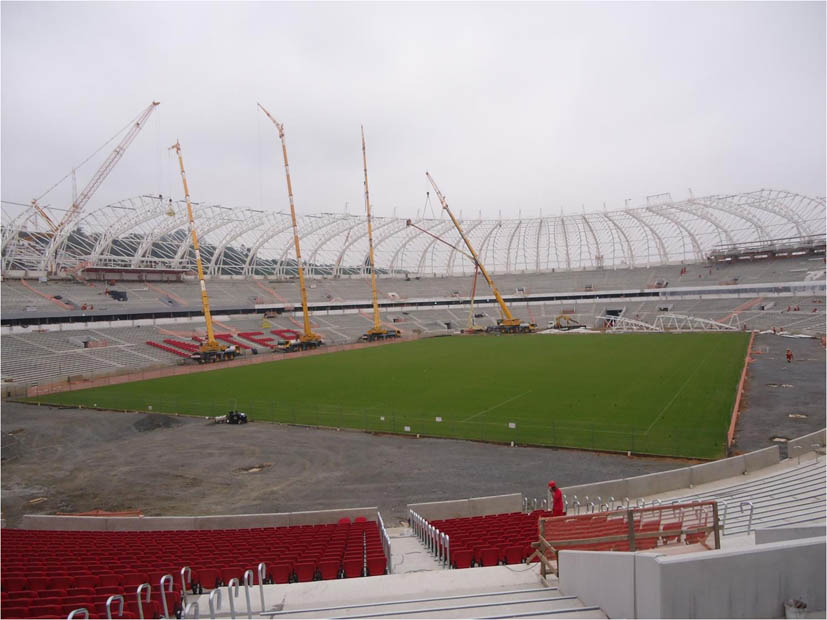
[150, 232]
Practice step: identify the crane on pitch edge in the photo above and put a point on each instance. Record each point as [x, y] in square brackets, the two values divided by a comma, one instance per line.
[508, 324]
[306, 340]
[377, 332]
[211, 350]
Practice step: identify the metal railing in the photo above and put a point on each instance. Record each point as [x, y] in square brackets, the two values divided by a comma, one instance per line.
[386, 544]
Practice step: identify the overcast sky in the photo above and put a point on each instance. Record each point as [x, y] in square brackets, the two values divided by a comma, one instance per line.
[513, 108]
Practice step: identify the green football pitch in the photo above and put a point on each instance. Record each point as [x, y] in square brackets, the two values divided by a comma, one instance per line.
[665, 394]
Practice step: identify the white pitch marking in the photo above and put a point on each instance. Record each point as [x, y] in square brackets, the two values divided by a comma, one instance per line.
[495, 406]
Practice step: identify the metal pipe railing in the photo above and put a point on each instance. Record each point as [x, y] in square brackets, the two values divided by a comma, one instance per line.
[214, 606]
[168, 579]
[148, 588]
[262, 575]
[232, 594]
[248, 583]
[114, 597]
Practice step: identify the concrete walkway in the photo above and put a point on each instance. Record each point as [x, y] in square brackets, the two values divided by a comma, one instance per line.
[408, 554]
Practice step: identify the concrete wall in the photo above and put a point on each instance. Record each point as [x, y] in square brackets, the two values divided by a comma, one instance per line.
[472, 507]
[744, 583]
[806, 442]
[791, 532]
[224, 522]
[602, 578]
[686, 477]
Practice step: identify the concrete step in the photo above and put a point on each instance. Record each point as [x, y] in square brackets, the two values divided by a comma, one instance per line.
[499, 591]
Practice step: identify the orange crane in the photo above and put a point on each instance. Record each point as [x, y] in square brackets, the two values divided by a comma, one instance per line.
[377, 332]
[211, 350]
[508, 324]
[306, 340]
[80, 201]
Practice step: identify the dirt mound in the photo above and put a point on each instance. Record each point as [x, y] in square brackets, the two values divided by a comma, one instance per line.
[154, 421]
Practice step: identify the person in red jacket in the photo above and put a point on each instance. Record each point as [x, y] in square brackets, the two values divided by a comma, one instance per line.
[557, 507]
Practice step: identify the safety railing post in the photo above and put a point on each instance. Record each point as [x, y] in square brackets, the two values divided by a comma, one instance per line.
[723, 518]
[191, 611]
[262, 574]
[184, 579]
[114, 597]
[215, 605]
[148, 588]
[79, 610]
[166, 579]
[232, 594]
[248, 582]
[751, 511]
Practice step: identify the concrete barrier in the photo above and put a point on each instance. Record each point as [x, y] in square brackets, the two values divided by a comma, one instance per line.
[805, 444]
[792, 532]
[603, 578]
[743, 583]
[651, 484]
[716, 470]
[472, 507]
[760, 459]
[610, 488]
[747, 583]
[210, 522]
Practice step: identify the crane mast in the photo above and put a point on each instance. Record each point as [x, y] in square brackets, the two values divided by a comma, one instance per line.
[377, 331]
[210, 350]
[308, 339]
[508, 323]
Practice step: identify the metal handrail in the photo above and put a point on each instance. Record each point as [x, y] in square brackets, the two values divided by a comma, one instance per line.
[247, 579]
[148, 588]
[230, 592]
[114, 597]
[751, 510]
[262, 574]
[82, 610]
[188, 571]
[213, 605]
[192, 607]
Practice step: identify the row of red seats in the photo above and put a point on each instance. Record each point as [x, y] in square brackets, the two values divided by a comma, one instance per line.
[286, 334]
[40, 560]
[163, 347]
[23, 604]
[187, 346]
[490, 539]
[229, 340]
[254, 337]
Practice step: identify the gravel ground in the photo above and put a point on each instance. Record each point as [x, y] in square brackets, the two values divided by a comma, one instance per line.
[74, 460]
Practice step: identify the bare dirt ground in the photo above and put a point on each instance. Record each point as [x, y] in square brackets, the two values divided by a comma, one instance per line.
[75, 460]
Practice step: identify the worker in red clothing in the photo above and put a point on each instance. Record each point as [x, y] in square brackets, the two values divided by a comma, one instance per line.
[557, 507]
[789, 355]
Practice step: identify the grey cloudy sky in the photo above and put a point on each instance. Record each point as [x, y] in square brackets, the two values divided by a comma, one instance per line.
[513, 107]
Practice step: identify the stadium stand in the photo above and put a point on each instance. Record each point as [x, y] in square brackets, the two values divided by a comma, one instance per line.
[62, 566]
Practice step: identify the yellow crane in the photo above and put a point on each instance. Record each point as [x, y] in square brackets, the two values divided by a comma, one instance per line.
[377, 332]
[307, 340]
[508, 324]
[211, 350]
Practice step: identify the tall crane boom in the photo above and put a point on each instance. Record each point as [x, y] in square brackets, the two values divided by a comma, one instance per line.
[211, 350]
[377, 332]
[508, 323]
[107, 166]
[308, 339]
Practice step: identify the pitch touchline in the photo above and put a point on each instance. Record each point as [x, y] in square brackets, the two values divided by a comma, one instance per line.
[505, 402]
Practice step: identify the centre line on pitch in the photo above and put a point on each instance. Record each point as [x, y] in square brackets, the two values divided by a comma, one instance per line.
[505, 402]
